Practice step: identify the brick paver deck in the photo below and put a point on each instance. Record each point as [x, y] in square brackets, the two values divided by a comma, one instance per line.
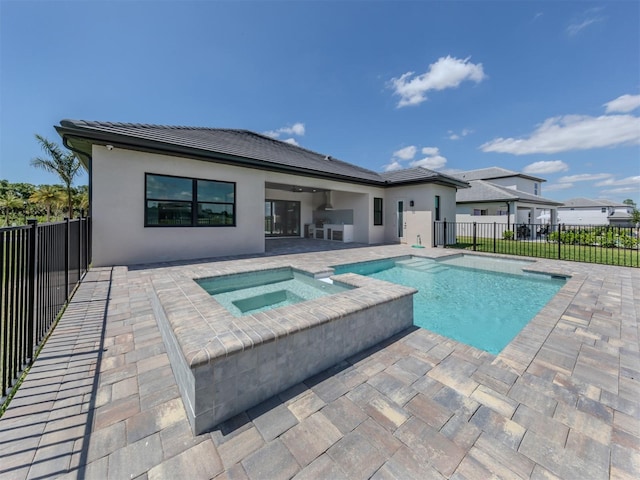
[563, 401]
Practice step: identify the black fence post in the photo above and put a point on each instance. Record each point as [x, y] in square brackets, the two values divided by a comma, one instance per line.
[434, 233]
[559, 242]
[495, 234]
[79, 248]
[475, 226]
[66, 258]
[89, 241]
[445, 235]
[31, 287]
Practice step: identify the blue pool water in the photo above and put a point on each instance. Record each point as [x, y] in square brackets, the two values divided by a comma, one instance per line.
[464, 298]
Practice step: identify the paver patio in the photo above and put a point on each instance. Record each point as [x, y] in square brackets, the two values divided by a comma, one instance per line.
[561, 401]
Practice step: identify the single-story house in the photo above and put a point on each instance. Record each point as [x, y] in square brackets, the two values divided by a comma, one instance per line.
[504, 196]
[584, 211]
[164, 193]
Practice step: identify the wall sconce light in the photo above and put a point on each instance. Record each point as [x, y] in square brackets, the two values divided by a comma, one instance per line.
[411, 204]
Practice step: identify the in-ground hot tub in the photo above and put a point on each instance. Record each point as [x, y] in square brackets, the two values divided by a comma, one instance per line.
[225, 364]
[255, 292]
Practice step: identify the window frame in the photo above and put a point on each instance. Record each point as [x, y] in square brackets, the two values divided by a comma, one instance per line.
[193, 203]
[436, 203]
[378, 215]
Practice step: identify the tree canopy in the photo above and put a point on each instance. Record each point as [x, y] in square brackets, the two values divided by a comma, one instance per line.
[64, 164]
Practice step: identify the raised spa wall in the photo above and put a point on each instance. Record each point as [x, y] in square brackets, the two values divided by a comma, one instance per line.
[225, 364]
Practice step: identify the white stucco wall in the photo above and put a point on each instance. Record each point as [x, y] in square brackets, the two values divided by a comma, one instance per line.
[377, 232]
[522, 184]
[419, 218]
[118, 206]
[583, 216]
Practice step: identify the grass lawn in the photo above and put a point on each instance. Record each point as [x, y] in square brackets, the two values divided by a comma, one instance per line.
[624, 257]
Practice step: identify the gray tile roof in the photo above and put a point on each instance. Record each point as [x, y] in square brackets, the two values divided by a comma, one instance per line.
[491, 173]
[587, 203]
[483, 191]
[237, 143]
[241, 147]
[417, 174]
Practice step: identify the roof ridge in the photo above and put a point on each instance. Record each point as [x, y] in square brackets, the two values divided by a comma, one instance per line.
[99, 123]
[499, 188]
[298, 147]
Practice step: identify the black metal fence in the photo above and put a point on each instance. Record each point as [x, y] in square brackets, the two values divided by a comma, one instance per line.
[610, 245]
[40, 266]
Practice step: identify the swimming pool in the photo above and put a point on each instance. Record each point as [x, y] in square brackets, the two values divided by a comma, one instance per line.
[466, 299]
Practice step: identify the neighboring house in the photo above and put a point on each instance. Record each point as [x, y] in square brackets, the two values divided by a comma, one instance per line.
[584, 211]
[504, 196]
[162, 193]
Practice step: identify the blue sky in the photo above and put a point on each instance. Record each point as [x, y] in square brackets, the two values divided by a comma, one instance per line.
[547, 88]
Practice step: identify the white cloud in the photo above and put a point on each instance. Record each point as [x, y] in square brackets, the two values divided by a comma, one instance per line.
[430, 150]
[292, 141]
[584, 177]
[623, 104]
[625, 181]
[574, 28]
[458, 136]
[446, 72]
[432, 161]
[550, 166]
[572, 132]
[558, 186]
[588, 18]
[394, 165]
[295, 129]
[406, 153]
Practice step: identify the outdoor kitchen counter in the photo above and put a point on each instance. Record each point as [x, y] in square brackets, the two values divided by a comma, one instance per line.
[333, 231]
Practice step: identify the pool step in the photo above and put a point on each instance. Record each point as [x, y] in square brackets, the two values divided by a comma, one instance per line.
[428, 266]
[414, 262]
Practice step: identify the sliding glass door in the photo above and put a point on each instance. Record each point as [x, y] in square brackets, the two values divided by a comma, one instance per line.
[281, 218]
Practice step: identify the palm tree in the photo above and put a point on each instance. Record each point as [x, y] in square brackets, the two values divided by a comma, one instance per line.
[64, 164]
[47, 195]
[81, 198]
[9, 202]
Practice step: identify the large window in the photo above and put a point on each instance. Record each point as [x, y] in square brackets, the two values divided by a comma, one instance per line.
[188, 202]
[377, 211]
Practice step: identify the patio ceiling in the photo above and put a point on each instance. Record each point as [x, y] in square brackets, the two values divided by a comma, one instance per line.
[294, 188]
